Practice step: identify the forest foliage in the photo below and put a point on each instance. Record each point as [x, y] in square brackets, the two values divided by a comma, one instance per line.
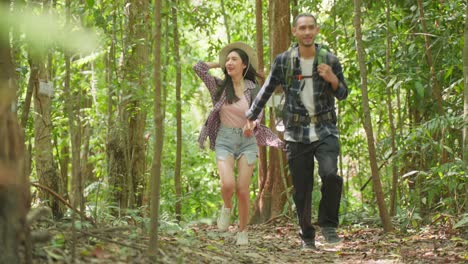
[105, 95]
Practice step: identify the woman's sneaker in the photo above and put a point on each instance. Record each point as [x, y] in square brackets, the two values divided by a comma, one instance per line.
[223, 219]
[242, 238]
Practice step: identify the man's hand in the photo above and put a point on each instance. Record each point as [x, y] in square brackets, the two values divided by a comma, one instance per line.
[326, 72]
[248, 128]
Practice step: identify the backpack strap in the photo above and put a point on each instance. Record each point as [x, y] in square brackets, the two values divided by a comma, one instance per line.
[322, 55]
[293, 52]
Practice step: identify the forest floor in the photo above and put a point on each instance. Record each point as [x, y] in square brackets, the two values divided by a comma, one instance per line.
[274, 242]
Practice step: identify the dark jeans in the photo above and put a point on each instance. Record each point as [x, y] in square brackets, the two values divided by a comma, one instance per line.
[301, 165]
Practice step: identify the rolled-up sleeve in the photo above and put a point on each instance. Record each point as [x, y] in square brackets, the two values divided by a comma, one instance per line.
[342, 92]
[201, 69]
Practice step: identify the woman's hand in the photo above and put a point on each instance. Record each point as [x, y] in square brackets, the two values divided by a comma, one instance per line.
[212, 64]
[261, 75]
[248, 129]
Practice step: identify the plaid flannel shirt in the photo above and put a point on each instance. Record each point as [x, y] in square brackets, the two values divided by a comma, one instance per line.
[324, 96]
[264, 136]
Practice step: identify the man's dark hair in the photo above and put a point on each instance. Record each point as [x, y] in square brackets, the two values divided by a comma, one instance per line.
[303, 15]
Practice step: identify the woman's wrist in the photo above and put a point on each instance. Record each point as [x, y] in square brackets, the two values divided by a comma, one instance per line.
[213, 64]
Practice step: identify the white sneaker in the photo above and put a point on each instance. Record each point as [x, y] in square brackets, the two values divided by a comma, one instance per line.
[223, 219]
[242, 238]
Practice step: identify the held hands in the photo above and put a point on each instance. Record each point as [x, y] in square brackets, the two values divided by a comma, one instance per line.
[260, 74]
[248, 128]
[326, 72]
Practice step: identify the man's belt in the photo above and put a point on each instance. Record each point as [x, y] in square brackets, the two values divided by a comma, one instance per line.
[297, 118]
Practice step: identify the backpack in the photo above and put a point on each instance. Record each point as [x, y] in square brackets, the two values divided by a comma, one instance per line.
[292, 53]
[293, 50]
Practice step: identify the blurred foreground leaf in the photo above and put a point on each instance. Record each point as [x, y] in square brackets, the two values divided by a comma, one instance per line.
[42, 31]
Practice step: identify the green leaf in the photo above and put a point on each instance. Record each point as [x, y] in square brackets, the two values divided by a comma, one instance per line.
[90, 3]
[419, 88]
[463, 222]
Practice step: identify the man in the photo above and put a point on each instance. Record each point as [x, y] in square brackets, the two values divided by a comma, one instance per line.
[311, 78]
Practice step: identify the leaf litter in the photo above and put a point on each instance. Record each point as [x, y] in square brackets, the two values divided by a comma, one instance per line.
[274, 242]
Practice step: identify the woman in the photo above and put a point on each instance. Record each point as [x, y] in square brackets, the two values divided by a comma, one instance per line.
[233, 143]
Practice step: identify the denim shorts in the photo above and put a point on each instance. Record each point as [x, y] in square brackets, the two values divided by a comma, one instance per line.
[231, 141]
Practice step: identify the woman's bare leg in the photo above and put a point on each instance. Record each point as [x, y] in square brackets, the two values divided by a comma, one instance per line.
[243, 192]
[227, 180]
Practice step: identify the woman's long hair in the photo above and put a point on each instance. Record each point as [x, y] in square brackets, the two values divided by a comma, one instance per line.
[249, 73]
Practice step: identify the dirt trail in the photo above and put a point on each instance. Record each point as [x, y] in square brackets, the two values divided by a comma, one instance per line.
[276, 242]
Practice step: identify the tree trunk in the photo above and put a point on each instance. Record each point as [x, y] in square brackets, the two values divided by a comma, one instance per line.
[114, 146]
[262, 159]
[45, 165]
[14, 185]
[436, 89]
[226, 21]
[387, 224]
[271, 197]
[465, 118]
[136, 72]
[280, 28]
[177, 181]
[295, 8]
[393, 197]
[158, 143]
[27, 101]
[73, 113]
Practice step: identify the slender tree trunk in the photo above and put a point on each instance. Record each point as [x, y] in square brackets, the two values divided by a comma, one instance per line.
[436, 89]
[280, 28]
[45, 165]
[346, 191]
[226, 21]
[14, 185]
[262, 160]
[294, 8]
[114, 147]
[27, 101]
[64, 159]
[158, 143]
[136, 72]
[393, 197]
[76, 193]
[387, 224]
[178, 187]
[73, 128]
[465, 117]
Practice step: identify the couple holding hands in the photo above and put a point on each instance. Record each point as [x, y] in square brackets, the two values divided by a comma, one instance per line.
[310, 84]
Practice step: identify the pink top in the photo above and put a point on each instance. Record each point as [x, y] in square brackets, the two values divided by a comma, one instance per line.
[233, 115]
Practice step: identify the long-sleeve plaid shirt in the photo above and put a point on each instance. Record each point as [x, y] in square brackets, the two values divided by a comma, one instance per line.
[264, 136]
[324, 96]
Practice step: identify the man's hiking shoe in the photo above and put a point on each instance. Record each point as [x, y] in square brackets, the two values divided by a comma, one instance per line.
[308, 244]
[329, 233]
[242, 238]
[223, 219]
